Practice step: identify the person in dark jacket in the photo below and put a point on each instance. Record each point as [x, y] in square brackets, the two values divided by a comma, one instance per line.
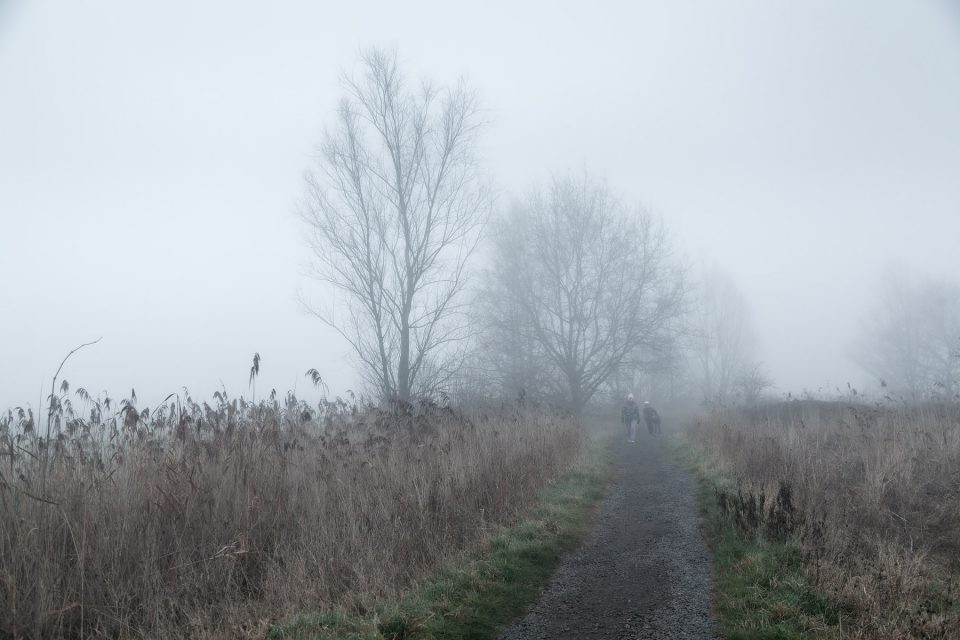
[630, 416]
[651, 417]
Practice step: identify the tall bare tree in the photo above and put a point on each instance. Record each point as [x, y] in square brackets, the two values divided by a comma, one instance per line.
[592, 283]
[394, 209]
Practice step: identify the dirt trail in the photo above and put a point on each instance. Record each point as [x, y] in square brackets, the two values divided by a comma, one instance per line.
[644, 571]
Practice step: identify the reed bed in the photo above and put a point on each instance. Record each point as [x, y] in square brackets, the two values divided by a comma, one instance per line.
[871, 494]
[212, 521]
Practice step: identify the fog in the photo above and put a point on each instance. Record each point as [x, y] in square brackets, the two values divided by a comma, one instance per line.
[152, 159]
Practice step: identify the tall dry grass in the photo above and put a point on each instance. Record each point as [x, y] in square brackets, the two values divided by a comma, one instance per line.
[210, 521]
[872, 498]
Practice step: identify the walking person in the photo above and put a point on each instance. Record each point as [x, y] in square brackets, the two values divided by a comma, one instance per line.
[630, 416]
[651, 417]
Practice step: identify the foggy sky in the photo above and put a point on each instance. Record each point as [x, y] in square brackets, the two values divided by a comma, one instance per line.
[151, 157]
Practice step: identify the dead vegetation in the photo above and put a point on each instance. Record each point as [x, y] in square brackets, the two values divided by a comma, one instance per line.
[871, 494]
[210, 521]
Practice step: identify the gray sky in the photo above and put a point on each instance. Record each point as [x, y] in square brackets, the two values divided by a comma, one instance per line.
[151, 155]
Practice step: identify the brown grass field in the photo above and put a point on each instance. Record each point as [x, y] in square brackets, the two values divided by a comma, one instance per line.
[870, 494]
[210, 522]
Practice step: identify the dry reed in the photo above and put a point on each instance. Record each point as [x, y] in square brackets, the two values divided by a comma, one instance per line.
[208, 521]
[873, 501]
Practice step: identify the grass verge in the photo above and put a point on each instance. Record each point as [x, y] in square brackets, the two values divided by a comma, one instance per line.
[761, 589]
[474, 598]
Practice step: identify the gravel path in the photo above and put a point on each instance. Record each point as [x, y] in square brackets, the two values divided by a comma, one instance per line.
[644, 572]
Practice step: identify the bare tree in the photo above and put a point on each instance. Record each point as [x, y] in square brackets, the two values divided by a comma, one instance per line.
[911, 337]
[394, 209]
[751, 384]
[509, 353]
[722, 343]
[591, 282]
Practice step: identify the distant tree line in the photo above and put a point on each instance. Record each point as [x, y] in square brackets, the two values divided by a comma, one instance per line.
[569, 295]
[580, 294]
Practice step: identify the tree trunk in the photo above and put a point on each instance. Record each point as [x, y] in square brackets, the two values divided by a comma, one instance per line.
[403, 373]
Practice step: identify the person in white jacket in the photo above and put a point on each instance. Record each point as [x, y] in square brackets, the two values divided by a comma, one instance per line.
[630, 416]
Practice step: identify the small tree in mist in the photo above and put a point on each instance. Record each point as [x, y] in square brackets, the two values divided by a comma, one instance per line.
[394, 208]
[910, 339]
[722, 342]
[751, 384]
[585, 284]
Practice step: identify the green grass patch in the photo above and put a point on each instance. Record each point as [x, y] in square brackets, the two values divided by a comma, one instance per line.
[474, 598]
[761, 590]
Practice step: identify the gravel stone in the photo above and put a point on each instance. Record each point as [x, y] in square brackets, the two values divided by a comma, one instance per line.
[643, 572]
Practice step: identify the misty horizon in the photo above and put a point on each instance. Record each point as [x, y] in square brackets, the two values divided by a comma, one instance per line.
[152, 162]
